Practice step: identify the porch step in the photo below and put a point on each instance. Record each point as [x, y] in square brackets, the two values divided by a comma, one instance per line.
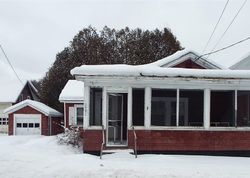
[112, 150]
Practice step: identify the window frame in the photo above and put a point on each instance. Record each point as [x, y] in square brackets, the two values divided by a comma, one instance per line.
[76, 116]
[101, 109]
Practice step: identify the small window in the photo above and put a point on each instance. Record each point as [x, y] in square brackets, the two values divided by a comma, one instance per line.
[79, 116]
[138, 97]
[222, 112]
[19, 125]
[25, 125]
[95, 118]
[37, 125]
[31, 125]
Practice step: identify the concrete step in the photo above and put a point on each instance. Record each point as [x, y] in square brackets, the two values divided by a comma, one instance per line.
[113, 150]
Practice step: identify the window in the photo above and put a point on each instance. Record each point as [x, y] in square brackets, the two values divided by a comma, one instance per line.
[3, 121]
[25, 125]
[243, 108]
[18, 125]
[31, 125]
[163, 107]
[191, 108]
[95, 107]
[37, 125]
[138, 106]
[79, 116]
[222, 113]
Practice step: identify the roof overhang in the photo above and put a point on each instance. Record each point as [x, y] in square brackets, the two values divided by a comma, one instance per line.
[23, 104]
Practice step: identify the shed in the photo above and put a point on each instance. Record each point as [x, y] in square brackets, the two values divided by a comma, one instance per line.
[33, 118]
[72, 97]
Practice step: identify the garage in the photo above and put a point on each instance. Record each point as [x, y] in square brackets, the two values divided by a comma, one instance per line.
[27, 124]
[34, 118]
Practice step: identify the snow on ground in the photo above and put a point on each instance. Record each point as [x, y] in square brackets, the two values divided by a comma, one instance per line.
[41, 156]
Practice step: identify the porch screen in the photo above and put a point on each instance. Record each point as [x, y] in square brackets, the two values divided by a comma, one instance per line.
[222, 113]
[243, 104]
[163, 107]
[138, 106]
[95, 118]
[191, 108]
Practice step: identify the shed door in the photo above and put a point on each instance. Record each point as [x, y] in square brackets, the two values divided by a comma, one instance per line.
[27, 124]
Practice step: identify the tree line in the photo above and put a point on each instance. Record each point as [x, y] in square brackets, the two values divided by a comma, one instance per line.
[108, 46]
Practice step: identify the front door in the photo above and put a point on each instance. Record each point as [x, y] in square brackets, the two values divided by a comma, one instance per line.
[116, 125]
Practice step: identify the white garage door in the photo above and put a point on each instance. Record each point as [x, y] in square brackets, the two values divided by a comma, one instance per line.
[27, 124]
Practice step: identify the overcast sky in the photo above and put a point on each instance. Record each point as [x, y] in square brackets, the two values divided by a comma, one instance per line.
[32, 32]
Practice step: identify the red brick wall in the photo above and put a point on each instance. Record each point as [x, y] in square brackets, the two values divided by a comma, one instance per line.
[92, 140]
[167, 140]
[189, 64]
[30, 110]
[159, 140]
[67, 105]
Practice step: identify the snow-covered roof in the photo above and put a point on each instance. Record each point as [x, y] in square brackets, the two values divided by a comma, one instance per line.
[72, 91]
[181, 56]
[156, 71]
[243, 63]
[46, 110]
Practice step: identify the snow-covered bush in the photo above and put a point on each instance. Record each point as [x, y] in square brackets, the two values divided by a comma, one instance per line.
[71, 136]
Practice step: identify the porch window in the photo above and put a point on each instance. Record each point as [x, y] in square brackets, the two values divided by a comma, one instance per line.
[222, 113]
[95, 107]
[138, 106]
[163, 107]
[243, 108]
[79, 116]
[191, 108]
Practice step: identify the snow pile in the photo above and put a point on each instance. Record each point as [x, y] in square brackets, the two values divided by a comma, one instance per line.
[36, 105]
[70, 136]
[41, 156]
[73, 90]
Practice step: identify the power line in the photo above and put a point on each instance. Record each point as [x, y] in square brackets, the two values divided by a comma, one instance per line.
[5, 55]
[225, 6]
[228, 27]
[221, 49]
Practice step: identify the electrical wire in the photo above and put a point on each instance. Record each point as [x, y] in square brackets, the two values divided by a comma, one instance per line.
[5, 55]
[215, 27]
[221, 49]
[228, 27]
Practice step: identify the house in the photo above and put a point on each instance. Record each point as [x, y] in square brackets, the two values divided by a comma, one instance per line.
[72, 98]
[12, 92]
[30, 117]
[242, 64]
[182, 103]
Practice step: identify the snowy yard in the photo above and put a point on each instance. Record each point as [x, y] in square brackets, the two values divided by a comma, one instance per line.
[40, 156]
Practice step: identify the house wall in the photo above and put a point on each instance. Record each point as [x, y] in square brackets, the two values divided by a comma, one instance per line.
[92, 140]
[3, 106]
[29, 110]
[175, 140]
[56, 127]
[188, 64]
[167, 140]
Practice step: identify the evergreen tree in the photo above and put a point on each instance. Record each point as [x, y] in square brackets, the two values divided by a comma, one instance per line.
[109, 46]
